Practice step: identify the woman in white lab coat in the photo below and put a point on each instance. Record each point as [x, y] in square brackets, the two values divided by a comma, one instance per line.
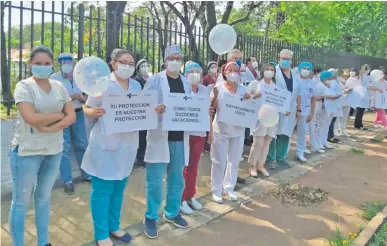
[365, 81]
[286, 79]
[262, 136]
[226, 139]
[109, 158]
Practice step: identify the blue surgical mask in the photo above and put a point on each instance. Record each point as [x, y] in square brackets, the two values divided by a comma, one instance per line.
[41, 72]
[239, 63]
[285, 63]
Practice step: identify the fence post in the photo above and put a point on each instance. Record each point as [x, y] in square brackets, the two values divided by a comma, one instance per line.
[81, 30]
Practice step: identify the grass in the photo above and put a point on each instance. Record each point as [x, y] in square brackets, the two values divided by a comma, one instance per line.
[338, 239]
[357, 151]
[380, 237]
[370, 209]
[376, 140]
[4, 115]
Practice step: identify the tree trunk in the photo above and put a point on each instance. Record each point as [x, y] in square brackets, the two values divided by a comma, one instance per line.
[5, 76]
[114, 11]
[211, 22]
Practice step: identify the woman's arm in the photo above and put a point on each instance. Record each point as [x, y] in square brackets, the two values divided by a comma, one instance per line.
[68, 120]
[32, 118]
[213, 105]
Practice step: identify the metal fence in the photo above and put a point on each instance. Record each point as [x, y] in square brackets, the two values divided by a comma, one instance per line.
[81, 29]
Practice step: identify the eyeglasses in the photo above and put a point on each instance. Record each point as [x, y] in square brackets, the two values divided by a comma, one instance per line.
[130, 63]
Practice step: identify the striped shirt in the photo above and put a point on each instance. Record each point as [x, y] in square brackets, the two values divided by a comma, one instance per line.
[28, 138]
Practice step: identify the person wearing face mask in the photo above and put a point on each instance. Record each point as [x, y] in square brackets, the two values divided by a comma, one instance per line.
[379, 85]
[285, 79]
[74, 136]
[109, 158]
[193, 73]
[341, 122]
[308, 102]
[166, 151]
[365, 81]
[44, 110]
[227, 140]
[324, 111]
[262, 136]
[252, 72]
[338, 112]
[212, 72]
[142, 70]
[234, 55]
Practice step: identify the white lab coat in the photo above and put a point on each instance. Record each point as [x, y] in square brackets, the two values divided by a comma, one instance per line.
[365, 81]
[286, 124]
[248, 76]
[157, 149]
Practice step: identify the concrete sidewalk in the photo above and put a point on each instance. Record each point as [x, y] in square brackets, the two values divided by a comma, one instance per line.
[71, 222]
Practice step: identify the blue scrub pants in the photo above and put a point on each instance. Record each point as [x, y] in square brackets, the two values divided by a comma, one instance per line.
[175, 183]
[74, 135]
[105, 201]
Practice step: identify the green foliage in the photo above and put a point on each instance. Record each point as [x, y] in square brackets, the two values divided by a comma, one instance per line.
[357, 151]
[358, 27]
[380, 237]
[376, 140]
[4, 115]
[371, 209]
[338, 239]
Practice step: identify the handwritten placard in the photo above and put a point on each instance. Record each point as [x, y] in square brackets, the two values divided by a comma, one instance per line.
[277, 97]
[381, 100]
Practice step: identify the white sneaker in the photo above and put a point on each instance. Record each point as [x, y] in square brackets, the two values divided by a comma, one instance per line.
[322, 147]
[307, 151]
[302, 159]
[346, 134]
[185, 209]
[352, 117]
[320, 151]
[217, 198]
[195, 204]
[337, 134]
[327, 146]
[232, 196]
[242, 158]
[264, 172]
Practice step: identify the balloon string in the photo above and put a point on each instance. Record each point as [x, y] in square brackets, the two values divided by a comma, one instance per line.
[217, 64]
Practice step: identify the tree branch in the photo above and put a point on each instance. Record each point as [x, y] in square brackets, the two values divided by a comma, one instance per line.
[198, 12]
[175, 11]
[227, 12]
[252, 6]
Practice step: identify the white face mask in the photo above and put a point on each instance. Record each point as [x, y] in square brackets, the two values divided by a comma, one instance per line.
[67, 68]
[268, 74]
[124, 71]
[233, 77]
[194, 78]
[352, 74]
[305, 72]
[173, 66]
[213, 70]
[144, 70]
[255, 65]
[328, 82]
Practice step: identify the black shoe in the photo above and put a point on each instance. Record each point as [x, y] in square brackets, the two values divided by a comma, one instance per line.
[241, 180]
[336, 140]
[49, 244]
[69, 188]
[87, 180]
[331, 140]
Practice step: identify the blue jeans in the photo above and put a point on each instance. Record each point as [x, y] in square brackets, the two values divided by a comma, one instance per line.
[175, 183]
[105, 202]
[74, 135]
[27, 171]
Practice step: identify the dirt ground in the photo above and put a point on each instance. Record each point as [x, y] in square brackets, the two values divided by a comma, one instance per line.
[351, 181]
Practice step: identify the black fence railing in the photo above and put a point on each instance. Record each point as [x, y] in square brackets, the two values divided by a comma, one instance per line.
[82, 30]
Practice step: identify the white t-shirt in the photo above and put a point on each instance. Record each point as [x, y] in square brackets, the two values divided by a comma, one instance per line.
[28, 138]
[222, 129]
[110, 157]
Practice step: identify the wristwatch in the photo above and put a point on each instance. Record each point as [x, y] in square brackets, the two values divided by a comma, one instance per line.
[299, 110]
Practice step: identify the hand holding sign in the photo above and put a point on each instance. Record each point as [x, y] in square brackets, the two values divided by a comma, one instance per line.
[160, 109]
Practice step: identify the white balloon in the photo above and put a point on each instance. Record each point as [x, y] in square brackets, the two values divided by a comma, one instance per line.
[222, 38]
[268, 115]
[92, 75]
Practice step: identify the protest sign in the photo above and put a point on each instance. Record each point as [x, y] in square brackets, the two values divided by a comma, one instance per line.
[235, 110]
[381, 100]
[354, 97]
[186, 112]
[127, 113]
[277, 97]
